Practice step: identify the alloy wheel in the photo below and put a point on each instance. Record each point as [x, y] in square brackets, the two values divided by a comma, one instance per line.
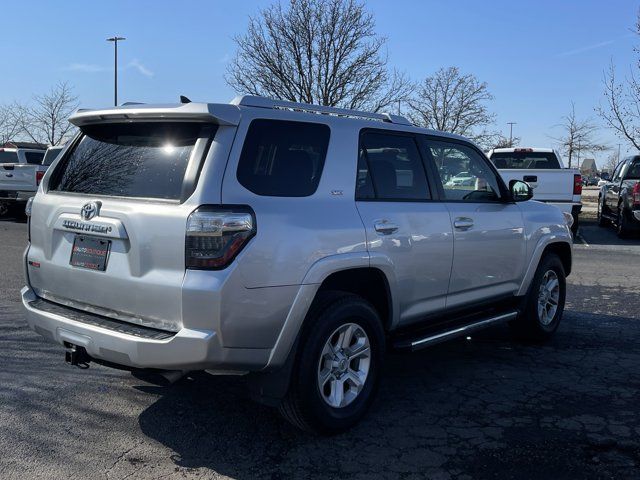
[548, 297]
[344, 365]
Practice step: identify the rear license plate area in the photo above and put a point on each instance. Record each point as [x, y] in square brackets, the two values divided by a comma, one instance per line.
[90, 252]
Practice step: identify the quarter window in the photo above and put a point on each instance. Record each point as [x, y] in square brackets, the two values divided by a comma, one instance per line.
[282, 158]
[464, 173]
[390, 168]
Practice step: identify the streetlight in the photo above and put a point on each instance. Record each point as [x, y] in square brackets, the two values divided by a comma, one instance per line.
[115, 63]
[511, 124]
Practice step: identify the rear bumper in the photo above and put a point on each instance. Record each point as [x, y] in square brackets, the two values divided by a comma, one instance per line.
[187, 349]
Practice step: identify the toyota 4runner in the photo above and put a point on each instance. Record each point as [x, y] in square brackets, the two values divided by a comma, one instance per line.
[289, 242]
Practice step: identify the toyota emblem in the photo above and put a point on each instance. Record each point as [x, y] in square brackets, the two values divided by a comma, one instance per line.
[90, 210]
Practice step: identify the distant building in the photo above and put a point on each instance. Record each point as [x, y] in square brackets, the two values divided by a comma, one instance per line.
[589, 167]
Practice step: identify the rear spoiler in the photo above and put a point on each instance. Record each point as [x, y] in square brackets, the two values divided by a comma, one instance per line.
[218, 113]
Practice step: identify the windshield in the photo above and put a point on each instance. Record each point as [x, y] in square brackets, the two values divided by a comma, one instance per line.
[525, 160]
[146, 160]
[8, 157]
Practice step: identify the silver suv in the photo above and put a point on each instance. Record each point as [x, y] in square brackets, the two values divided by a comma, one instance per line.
[289, 242]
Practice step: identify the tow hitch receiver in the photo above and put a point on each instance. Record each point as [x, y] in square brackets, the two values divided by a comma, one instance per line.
[76, 356]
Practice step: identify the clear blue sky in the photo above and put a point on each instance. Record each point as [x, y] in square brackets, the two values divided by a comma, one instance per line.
[536, 56]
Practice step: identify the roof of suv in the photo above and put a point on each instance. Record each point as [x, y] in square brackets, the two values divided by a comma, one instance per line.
[230, 113]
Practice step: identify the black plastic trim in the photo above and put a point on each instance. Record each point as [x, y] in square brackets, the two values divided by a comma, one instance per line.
[100, 321]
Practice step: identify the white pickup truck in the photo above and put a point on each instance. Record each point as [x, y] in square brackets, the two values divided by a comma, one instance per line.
[543, 170]
[21, 170]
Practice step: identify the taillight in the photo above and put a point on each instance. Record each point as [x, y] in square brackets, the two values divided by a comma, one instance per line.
[39, 175]
[635, 194]
[215, 235]
[577, 184]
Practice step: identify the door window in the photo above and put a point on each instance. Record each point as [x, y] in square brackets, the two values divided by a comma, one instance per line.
[390, 168]
[464, 173]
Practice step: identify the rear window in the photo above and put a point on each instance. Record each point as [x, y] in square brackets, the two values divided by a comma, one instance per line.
[525, 160]
[283, 159]
[34, 158]
[146, 160]
[50, 156]
[634, 170]
[8, 157]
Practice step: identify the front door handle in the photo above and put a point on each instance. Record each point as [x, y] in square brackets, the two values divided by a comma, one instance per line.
[384, 227]
[463, 223]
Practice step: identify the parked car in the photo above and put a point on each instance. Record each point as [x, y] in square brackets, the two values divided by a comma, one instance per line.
[462, 179]
[542, 168]
[619, 199]
[590, 181]
[20, 175]
[286, 241]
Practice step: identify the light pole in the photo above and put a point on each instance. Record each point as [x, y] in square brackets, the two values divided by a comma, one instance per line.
[115, 41]
[511, 124]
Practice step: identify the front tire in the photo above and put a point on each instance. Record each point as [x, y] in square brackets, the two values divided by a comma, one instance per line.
[337, 367]
[602, 222]
[545, 301]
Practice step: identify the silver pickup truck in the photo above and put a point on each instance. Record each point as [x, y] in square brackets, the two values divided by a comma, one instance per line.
[21, 170]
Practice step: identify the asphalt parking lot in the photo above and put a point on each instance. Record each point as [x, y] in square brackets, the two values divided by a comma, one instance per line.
[489, 407]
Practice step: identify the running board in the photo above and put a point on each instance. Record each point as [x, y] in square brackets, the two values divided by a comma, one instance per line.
[443, 336]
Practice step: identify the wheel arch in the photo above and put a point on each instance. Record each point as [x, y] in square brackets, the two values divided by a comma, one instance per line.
[552, 244]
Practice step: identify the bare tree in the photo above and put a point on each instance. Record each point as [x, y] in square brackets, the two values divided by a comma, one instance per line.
[611, 162]
[578, 136]
[46, 119]
[453, 102]
[9, 123]
[502, 141]
[317, 51]
[622, 109]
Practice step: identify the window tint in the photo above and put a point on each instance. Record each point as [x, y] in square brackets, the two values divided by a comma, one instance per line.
[8, 157]
[283, 159]
[51, 155]
[525, 160]
[634, 170]
[464, 173]
[390, 168]
[146, 160]
[34, 158]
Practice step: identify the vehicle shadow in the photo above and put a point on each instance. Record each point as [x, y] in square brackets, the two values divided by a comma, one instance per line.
[464, 406]
[593, 234]
[12, 217]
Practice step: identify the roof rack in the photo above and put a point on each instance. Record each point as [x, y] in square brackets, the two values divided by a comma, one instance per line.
[263, 102]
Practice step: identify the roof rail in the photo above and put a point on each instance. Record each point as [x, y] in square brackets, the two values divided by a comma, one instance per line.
[264, 102]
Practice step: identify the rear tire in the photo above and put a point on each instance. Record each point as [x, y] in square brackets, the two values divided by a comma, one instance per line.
[335, 379]
[544, 304]
[622, 227]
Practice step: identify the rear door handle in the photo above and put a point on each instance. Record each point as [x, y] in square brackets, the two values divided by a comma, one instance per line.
[384, 227]
[463, 223]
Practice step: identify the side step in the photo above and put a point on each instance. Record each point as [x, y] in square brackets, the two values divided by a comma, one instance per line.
[442, 336]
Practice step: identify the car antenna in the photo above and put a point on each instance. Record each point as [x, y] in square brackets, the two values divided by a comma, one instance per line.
[184, 99]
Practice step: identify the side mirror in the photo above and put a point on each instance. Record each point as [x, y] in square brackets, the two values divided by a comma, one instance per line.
[520, 191]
